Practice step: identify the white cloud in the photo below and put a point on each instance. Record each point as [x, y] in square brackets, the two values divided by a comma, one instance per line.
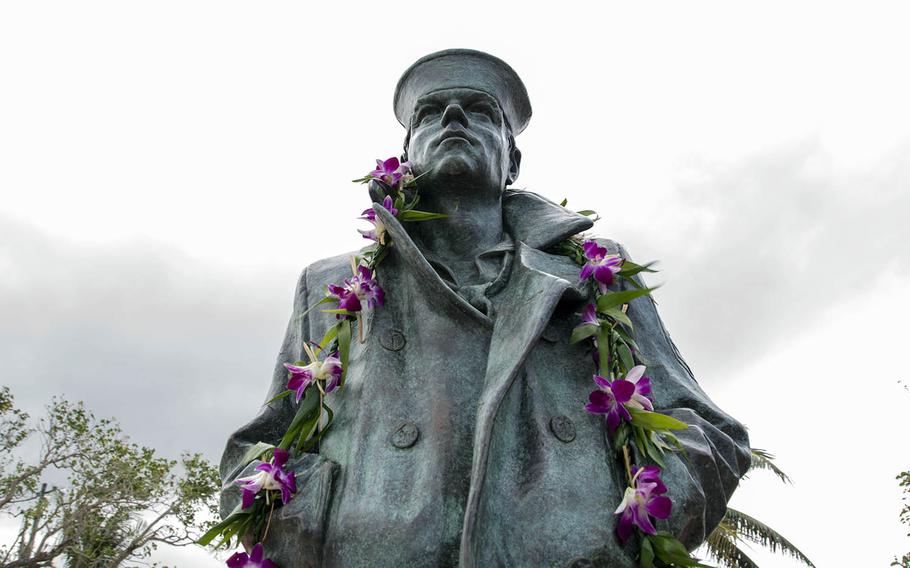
[759, 247]
[172, 346]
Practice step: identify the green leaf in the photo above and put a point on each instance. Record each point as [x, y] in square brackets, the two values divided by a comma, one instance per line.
[236, 515]
[379, 256]
[617, 315]
[621, 437]
[563, 202]
[655, 420]
[627, 338]
[646, 559]
[614, 299]
[651, 450]
[307, 406]
[306, 430]
[344, 348]
[414, 215]
[762, 459]
[638, 441]
[279, 396]
[255, 452]
[325, 300]
[339, 312]
[587, 212]
[583, 331]
[629, 268]
[311, 443]
[413, 181]
[632, 282]
[625, 356]
[603, 353]
[671, 551]
[330, 334]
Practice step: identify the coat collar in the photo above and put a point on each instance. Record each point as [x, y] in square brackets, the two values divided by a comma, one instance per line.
[531, 219]
[537, 221]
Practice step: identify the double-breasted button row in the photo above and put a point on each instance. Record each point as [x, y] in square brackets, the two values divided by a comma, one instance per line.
[406, 432]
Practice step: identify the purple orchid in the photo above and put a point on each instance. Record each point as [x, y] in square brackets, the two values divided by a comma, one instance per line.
[600, 264]
[377, 233]
[271, 477]
[328, 370]
[253, 560]
[390, 172]
[358, 290]
[641, 398]
[589, 315]
[610, 399]
[642, 501]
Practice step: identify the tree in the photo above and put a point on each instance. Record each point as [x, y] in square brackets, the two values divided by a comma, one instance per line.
[904, 479]
[723, 544]
[90, 497]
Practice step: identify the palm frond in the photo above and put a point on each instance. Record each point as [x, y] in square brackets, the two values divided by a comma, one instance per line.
[722, 548]
[753, 530]
[762, 459]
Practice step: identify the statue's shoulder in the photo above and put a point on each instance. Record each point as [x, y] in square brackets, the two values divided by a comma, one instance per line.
[332, 270]
[613, 247]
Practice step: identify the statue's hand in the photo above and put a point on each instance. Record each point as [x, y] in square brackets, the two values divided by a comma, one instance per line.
[699, 483]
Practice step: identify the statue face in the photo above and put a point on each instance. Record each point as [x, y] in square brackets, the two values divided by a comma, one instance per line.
[460, 133]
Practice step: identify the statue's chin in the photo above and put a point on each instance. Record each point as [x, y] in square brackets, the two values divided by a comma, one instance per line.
[454, 165]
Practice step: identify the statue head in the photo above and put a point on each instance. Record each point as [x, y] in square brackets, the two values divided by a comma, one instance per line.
[462, 110]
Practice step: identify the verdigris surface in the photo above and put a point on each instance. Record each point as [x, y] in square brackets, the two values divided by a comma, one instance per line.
[461, 438]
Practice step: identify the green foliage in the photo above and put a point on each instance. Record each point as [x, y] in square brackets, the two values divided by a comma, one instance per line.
[91, 497]
[663, 550]
[904, 481]
[764, 460]
[723, 544]
[753, 530]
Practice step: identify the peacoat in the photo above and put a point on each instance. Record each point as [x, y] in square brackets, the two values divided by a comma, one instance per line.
[461, 438]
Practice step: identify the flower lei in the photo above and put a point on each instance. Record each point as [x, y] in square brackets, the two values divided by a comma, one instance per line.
[622, 394]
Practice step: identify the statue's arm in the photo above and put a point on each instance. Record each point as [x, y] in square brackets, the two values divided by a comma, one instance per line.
[717, 445]
[272, 421]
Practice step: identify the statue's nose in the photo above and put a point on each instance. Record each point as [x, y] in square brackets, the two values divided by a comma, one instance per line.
[454, 112]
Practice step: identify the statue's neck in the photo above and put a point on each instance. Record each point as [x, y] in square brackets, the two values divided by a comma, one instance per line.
[474, 224]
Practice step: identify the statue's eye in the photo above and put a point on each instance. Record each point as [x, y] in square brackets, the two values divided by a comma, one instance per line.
[483, 109]
[426, 113]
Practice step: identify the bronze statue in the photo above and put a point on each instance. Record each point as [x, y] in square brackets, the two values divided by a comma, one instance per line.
[461, 436]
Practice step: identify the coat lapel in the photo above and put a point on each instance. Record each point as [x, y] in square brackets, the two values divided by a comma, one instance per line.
[411, 256]
[536, 284]
[524, 310]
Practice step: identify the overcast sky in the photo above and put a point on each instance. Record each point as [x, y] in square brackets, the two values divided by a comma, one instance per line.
[168, 168]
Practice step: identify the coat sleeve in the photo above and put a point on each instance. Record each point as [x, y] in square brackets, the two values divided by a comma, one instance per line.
[272, 421]
[717, 446]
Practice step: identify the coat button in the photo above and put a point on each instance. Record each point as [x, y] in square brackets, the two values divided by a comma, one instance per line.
[562, 428]
[405, 435]
[392, 339]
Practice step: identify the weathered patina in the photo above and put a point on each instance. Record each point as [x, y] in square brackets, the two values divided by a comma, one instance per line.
[460, 437]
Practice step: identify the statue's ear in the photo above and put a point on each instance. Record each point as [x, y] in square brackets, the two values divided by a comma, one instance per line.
[407, 142]
[514, 165]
